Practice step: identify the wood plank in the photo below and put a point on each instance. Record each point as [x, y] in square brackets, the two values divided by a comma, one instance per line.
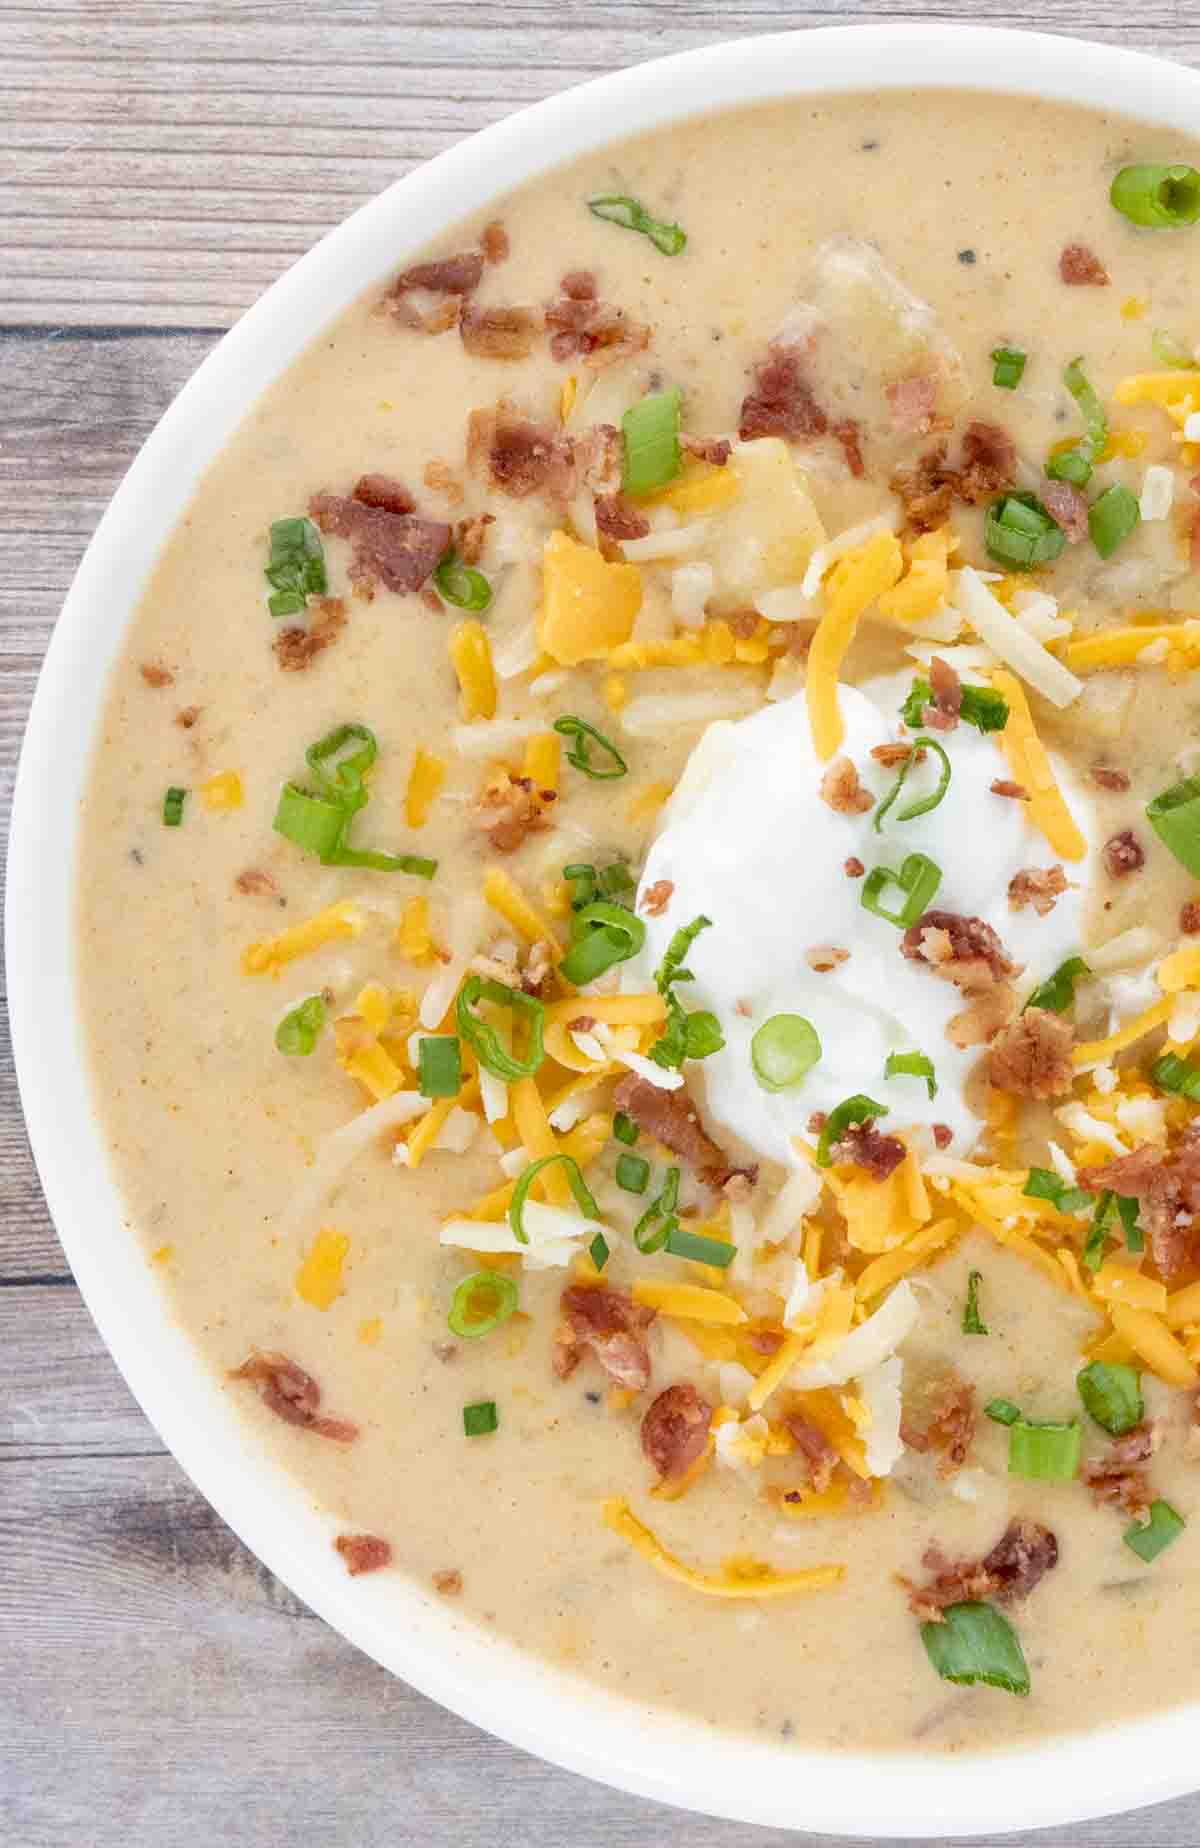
[60, 1394]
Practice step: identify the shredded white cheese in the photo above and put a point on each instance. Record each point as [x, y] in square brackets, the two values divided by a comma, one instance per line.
[879, 1390]
[691, 587]
[670, 542]
[1014, 645]
[865, 1347]
[1158, 492]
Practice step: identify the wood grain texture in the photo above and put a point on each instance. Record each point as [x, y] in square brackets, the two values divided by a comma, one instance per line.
[159, 165]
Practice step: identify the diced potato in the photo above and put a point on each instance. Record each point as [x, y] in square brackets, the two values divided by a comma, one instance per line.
[880, 332]
[589, 605]
[768, 535]
[1102, 709]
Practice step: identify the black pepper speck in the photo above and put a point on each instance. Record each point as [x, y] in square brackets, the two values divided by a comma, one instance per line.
[967, 256]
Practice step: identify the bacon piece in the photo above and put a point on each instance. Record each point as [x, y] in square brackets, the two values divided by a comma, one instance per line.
[449, 1582]
[521, 458]
[509, 810]
[458, 275]
[498, 333]
[398, 550]
[1105, 777]
[927, 490]
[1080, 267]
[297, 648]
[493, 241]
[292, 1394]
[1189, 918]
[255, 884]
[947, 696]
[965, 951]
[943, 1135]
[818, 1455]
[657, 897]
[470, 536]
[1016, 1565]
[441, 478]
[1118, 1480]
[384, 491]
[715, 450]
[579, 286]
[744, 623]
[1123, 854]
[1032, 1056]
[989, 462]
[363, 1552]
[848, 432]
[864, 1146]
[853, 867]
[1167, 1189]
[156, 675]
[931, 486]
[581, 326]
[949, 1426]
[675, 1430]
[914, 403]
[1067, 506]
[842, 790]
[891, 755]
[617, 520]
[186, 717]
[670, 1117]
[1004, 786]
[782, 402]
[1039, 886]
[612, 1326]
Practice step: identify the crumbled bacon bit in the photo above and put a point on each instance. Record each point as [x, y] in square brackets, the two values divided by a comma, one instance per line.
[989, 462]
[1067, 507]
[582, 1023]
[1039, 886]
[296, 648]
[1167, 1189]
[1003, 786]
[671, 1118]
[825, 956]
[949, 1425]
[853, 867]
[929, 488]
[449, 1582]
[818, 1455]
[255, 884]
[1118, 1480]
[383, 491]
[979, 1023]
[493, 241]
[156, 675]
[509, 810]
[715, 450]
[817, 1121]
[675, 1430]
[440, 478]
[1123, 854]
[965, 951]
[1189, 918]
[596, 332]
[1080, 267]
[744, 623]
[452, 277]
[947, 696]
[363, 1552]
[842, 790]
[864, 1146]
[186, 717]
[1105, 777]
[292, 1394]
[521, 457]
[943, 1135]
[395, 549]
[1032, 1056]
[782, 402]
[891, 756]
[470, 537]
[848, 432]
[498, 333]
[657, 897]
[609, 1324]
[1018, 1562]
[617, 520]
[914, 403]
[579, 286]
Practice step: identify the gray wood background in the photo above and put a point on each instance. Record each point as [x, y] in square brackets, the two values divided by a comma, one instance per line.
[161, 161]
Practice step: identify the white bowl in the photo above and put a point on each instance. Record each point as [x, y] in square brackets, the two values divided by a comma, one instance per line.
[404, 1627]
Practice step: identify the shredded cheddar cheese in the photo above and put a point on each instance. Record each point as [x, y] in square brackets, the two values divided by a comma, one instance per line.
[413, 938]
[855, 582]
[738, 1578]
[471, 657]
[588, 605]
[505, 897]
[1122, 647]
[1099, 1052]
[688, 1301]
[1030, 766]
[543, 755]
[223, 791]
[702, 488]
[267, 958]
[425, 781]
[1150, 1337]
[925, 585]
[1116, 1282]
[319, 1279]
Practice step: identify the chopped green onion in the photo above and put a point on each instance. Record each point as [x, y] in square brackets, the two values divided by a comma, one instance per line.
[919, 878]
[1043, 1452]
[986, 710]
[598, 1251]
[923, 805]
[172, 808]
[682, 1244]
[1057, 993]
[586, 735]
[1174, 814]
[1161, 197]
[461, 585]
[658, 1221]
[911, 1065]
[1019, 532]
[320, 822]
[620, 209]
[605, 935]
[1044, 1184]
[1073, 465]
[1112, 517]
[1177, 1076]
[575, 1180]
[856, 1109]
[298, 1032]
[480, 1419]
[652, 455]
[481, 1303]
[1135, 1238]
[1097, 1238]
[1008, 365]
[485, 1042]
[704, 1035]
[633, 1172]
[972, 1322]
[685, 1036]
[1002, 1411]
[1164, 1526]
[1095, 423]
[439, 1066]
[1112, 1395]
[783, 1050]
[588, 885]
[625, 1129]
[1169, 352]
[295, 569]
[975, 1643]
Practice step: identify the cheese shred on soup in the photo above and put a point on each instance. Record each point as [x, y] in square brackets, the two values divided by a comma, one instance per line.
[640, 931]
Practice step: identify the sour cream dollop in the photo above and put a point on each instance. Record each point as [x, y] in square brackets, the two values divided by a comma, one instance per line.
[748, 841]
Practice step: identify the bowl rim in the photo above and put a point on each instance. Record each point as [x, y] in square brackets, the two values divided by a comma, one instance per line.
[405, 1627]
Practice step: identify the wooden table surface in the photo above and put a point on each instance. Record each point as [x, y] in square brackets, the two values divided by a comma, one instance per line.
[161, 161]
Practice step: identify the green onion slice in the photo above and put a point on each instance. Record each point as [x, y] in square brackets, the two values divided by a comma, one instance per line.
[1112, 517]
[621, 209]
[625, 1129]
[485, 1042]
[481, 1303]
[298, 1032]
[658, 1221]
[1044, 1452]
[1164, 1526]
[480, 1419]
[784, 1049]
[1095, 423]
[605, 935]
[1135, 1238]
[633, 1172]
[652, 455]
[598, 1251]
[1044, 1184]
[578, 1186]
[856, 1109]
[1112, 1395]
[1008, 366]
[439, 1066]
[320, 821]
[172, 808]
[1073, 465]
[975, 1643]
[981, 707]
[911, 1065]
[972, 1322]
[1097, 1238]
[685, 1036]
[585, 736]
[1170, 352]
[1020, 533]
[1174, 814]
[588, 885]
[1002, 1411]
[919, 878]
[923, 805]
[682, 1244]
[1161, 197]
[1177, 1076]
[1057, 993]
[461, 585]
[295, 569]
